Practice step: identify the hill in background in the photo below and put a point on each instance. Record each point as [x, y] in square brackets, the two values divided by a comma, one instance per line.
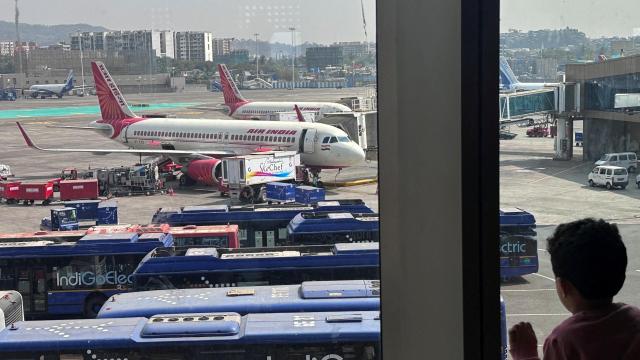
[43, 34]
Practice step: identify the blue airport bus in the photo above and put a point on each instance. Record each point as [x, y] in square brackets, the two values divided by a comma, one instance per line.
[182, 268]
[317, 228]
[518, 244]
[73, 278]
[199, 336]
[259, 225]
[310, 296]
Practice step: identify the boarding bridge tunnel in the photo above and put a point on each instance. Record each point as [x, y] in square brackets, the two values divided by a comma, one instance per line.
[608, 102]
[558, 102]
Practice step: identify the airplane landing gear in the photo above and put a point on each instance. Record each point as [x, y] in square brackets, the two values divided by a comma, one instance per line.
[312, 176]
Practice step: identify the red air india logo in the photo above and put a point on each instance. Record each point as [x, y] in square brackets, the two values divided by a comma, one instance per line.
[271, 132]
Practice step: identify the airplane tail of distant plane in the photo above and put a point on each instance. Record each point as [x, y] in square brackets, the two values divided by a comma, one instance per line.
[507, 77]
[68, 83]
[113, 107]
[232, 97]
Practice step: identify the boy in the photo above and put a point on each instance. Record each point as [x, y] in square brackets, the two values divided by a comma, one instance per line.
[589, 262]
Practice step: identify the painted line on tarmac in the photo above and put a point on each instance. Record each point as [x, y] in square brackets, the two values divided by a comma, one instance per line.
[351, 183]
[557, 314]
[544, 277]
[545, 250]
[559, 172]
[525, 290]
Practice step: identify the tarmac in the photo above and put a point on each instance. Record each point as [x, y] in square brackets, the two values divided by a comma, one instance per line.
[557, 192]
[195, 102]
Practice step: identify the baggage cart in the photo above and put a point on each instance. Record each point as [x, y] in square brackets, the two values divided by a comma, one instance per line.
[9, 191]
[309, 194]
[281, 192]
[29, 193]
[82, 189]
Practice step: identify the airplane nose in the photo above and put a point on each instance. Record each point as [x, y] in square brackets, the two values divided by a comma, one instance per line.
[356, 155]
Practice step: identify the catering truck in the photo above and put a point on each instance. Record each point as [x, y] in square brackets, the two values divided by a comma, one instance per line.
[245, 177]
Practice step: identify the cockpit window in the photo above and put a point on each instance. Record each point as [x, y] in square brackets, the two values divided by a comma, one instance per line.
[325, 140]
[334, 139]
[343, 138]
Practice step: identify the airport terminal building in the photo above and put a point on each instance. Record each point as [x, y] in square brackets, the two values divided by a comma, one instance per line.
[610, 98]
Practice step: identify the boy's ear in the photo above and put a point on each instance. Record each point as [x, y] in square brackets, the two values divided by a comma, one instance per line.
[563, 287]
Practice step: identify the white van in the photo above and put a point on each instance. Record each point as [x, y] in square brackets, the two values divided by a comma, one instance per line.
[627, 160]
[609, 177]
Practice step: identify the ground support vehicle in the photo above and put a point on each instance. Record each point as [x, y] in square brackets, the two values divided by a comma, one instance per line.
[627, 160]
[329, 228]
[29, 193]
[8, 94]
[309, 194]
[609, 176]
[538, 131]
[5, 172]
[245, 177]
[78, 189]
[64, 219]
[9, 191]
[578, 139]
[280, 192]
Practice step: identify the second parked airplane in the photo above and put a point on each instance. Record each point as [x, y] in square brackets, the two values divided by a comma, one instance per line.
[241, 108]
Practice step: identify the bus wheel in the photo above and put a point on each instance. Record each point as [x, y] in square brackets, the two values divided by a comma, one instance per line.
[93, 304]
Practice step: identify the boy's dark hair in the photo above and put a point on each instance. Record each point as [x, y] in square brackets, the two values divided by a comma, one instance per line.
[590, 254]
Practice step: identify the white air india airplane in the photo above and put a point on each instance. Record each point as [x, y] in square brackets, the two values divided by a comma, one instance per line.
[198, 144]
[241, 108]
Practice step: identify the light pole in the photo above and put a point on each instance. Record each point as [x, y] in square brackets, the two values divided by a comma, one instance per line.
[81, 60]
[293, 58]
[257, 72]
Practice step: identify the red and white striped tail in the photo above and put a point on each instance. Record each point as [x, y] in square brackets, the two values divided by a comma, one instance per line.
[232, 97]
[113, 106]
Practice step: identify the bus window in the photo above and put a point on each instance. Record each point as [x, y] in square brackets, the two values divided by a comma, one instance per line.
[258, 238]
[242, 235]
[271, 238]
[282, 233]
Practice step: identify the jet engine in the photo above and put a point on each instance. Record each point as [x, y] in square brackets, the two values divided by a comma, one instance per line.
[207, 172]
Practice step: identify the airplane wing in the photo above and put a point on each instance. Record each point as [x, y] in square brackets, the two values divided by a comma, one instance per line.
[169, 153]
[75, 127]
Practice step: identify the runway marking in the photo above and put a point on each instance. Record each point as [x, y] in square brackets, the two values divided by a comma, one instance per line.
[544, 277]
[558, 173]
[525, 290]
[557, 314]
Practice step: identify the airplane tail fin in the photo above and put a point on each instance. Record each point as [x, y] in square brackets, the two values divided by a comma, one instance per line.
[232, 97]
[507, 77]
[68, 83]
[298, 113]
[113, 106]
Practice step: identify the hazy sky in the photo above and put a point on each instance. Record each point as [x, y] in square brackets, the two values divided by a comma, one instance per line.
[596, 18]
[323, 21]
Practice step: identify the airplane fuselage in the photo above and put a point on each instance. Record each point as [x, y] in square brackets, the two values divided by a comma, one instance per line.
[261, 110]
[320, 145]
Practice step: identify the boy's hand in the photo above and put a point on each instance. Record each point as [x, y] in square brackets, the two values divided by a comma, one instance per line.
[523, 343]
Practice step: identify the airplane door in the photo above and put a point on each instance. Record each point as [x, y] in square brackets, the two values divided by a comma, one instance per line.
[309, 141]
[126, 135]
